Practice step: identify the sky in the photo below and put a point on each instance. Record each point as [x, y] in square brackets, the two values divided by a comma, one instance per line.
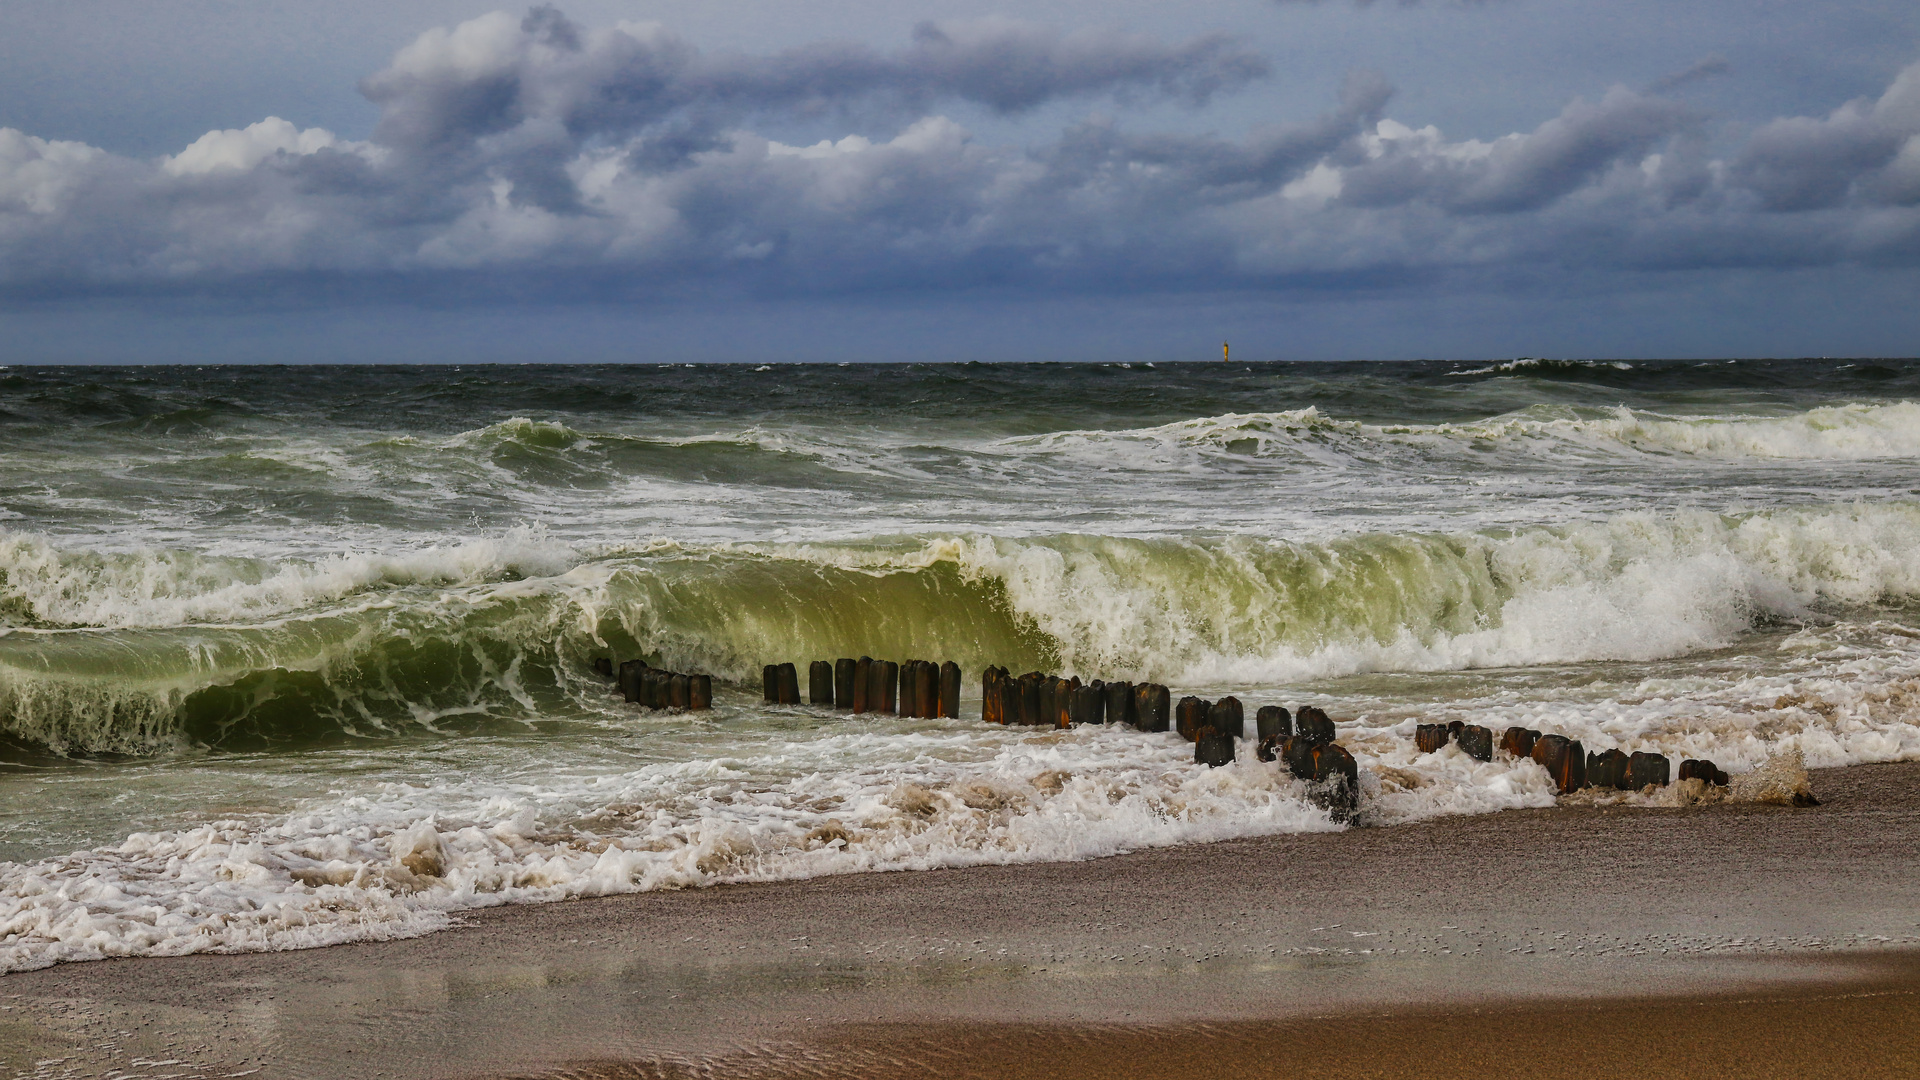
[757, 181]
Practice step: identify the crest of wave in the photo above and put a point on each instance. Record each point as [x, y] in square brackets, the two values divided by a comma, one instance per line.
[146, 587]
[1632, 587]
[1844, 432]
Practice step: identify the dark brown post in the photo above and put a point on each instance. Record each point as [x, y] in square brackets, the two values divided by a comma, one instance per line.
[1213, 749]
[820, 683]
[843, 671]
[653, 688]
[789, 685]
[1692, 769]
[1607, 769]
[950, 690]
[1081, 704]
[1032, 709]
[990, 712]
[699, 692]
[631, 673]
[903, 698]
[862, 685]
[926, 690]
[1476, 742]
[1272, 722]
[889, 687]
[1228, 718]
[1313, 725]
[1565, 761]
[1119, 709]
[1190, 716]
[1645, 768]
[1335, 767]
[1519, 741]
[770, 684]
[1428, 738]
[1153, 707]
[677, 692]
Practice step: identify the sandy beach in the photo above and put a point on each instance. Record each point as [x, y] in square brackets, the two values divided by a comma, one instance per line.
[1743, 939]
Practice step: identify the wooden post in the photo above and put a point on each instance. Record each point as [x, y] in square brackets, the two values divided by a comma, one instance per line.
[631, 673]
[1272, 722]
[1519, 741]
[1565, 761]
[1153, 707]
[677, 691]
[1607, 769]
[863, 685]
[950, 690]
[1313, 725]
[789, 685]
[1190, 716]
[1476, 742]
[1645, 768]
[699, 692]
[1213, 749]
[1119, 708]
[843, 674]
[820, 683]
[889, 687]
[926, 690]
[1032, 709]
[770, 684]
[1228, 718]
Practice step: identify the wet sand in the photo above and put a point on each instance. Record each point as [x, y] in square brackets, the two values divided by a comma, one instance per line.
[1734, 940]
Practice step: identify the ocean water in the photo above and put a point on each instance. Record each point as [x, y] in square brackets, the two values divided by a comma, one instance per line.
[294, 656]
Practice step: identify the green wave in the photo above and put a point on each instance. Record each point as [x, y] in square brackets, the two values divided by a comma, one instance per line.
[431, 657]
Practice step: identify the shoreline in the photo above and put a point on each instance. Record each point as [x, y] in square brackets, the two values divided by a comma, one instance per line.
[1862, 1027]
[1509, 915]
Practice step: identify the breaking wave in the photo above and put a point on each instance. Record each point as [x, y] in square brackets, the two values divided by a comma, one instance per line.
[1850, 432]
[500, 632]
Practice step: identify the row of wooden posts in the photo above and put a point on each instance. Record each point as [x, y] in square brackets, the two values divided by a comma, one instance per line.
[914, 688]
[1569, 763]
[658, 688]
[1213, 727]
[920, 688]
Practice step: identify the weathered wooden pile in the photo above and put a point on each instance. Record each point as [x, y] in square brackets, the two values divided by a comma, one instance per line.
[658, 688]
[1569, 763]
[1038, 699]
[1305, 742]
[911, 688]
[1213, 727]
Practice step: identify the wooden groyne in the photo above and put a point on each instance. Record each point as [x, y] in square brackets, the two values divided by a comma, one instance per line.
[1305, 741]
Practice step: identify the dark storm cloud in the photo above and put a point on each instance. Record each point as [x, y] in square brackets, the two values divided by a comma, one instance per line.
[1518, 172]
[1863, 152]
[488, 76]
[626, 162]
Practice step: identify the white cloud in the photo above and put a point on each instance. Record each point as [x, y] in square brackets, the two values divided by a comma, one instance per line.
[242, 149]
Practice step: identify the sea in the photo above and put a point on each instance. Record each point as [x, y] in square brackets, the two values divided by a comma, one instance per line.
[292, 656]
